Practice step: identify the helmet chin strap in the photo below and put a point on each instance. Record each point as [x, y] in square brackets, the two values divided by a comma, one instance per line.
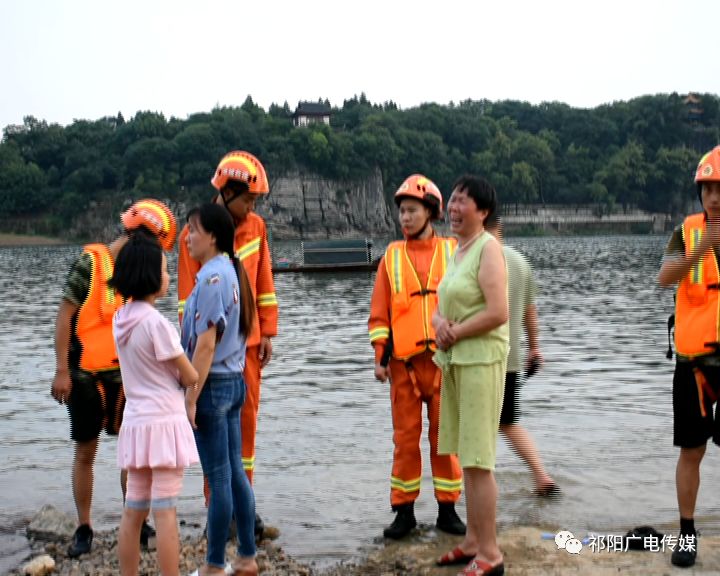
[227, 203]
[420, 232]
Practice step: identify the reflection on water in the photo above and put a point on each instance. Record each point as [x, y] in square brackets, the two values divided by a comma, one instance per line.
[600, 411]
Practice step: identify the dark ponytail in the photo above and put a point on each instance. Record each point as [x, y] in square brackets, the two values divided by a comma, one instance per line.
[247, 300]
[217, 221]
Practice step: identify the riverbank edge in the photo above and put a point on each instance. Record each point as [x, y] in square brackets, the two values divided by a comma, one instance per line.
[8, 240]
[527, 550]
[20, 240]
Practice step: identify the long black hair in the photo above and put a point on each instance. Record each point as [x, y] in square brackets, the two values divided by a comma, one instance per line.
[216, 220]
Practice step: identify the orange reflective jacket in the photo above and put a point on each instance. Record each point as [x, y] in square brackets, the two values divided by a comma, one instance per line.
[251, 247]
[94, 319]
[697, 302]
[412, 304]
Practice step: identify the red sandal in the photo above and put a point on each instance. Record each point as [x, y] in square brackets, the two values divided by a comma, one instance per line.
[482, 568]
[455, 556]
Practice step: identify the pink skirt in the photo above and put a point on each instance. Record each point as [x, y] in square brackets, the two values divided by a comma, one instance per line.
[163, 443]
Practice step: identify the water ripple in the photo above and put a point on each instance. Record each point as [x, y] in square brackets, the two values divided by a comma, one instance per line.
[600, 410]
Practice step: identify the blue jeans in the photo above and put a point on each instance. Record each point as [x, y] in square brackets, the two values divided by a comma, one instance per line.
[218, 442]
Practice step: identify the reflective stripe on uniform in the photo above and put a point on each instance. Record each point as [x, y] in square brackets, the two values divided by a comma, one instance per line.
[696, 275]
[447, 485]
[395, 269]
[379, 333]
[252, 247]
[267, 299]
[248, 463]
[410, 486]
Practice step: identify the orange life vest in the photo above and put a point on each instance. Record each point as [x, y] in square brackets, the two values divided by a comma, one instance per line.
[94, 320]
[697, 302]
[412, 304]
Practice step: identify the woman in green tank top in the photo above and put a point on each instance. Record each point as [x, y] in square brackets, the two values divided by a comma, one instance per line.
[472, 336]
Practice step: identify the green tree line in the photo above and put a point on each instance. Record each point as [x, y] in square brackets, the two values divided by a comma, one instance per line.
[641, 152]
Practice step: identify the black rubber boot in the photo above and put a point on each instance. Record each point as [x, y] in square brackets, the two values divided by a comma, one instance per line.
[448, 520]
[259, 527]
[684, 555]
[82, 541]
[404, 522]
[146, 533]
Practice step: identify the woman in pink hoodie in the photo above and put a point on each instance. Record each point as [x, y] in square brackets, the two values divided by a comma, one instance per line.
[156, 440]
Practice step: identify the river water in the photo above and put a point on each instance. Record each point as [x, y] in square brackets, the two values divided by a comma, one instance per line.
[600, 410]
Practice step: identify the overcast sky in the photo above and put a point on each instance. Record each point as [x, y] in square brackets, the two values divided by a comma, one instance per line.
[62, 60]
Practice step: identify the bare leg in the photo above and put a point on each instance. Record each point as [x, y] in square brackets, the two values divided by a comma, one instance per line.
[481, 499]
[524, 446]
[82, 478]
[129, 541]
[687, 479]
[168, 545]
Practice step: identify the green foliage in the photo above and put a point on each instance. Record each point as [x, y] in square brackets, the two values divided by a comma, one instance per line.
[640, 152]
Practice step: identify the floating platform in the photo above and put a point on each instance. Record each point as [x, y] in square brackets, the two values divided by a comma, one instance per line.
[295, 267]
[332, 256]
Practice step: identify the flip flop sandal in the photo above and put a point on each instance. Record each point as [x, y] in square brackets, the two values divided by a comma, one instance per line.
[482, 568]
[455, 556]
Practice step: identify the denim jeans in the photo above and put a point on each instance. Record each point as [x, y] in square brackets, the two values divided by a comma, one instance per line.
[219, 446]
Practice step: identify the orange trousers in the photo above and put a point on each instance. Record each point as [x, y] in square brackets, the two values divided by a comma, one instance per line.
[410, 387]
[248, 414]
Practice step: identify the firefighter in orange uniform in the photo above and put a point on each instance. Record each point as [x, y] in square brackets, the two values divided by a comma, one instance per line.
[240, 180]
[403, 301]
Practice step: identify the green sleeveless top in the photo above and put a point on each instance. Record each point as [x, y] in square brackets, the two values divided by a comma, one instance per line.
[460, 298]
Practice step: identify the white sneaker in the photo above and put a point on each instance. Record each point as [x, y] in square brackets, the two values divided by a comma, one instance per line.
[228, 570]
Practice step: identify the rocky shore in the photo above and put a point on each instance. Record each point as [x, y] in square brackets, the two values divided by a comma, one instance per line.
[526, 552]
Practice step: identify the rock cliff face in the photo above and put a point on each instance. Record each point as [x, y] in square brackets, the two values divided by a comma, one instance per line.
[300, 206]
[303, 205]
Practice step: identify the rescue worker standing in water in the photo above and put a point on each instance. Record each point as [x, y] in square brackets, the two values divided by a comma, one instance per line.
[403, 301]
[691, 259]
[240, 180]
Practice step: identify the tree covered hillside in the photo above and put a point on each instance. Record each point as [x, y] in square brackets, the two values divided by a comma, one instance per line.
[640, 152]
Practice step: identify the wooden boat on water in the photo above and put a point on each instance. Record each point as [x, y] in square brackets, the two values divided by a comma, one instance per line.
[331, 256]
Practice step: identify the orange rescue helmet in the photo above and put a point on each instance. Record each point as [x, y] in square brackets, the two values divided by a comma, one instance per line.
[244, 167]
[421, 188]
[156, 217]
[708, 169]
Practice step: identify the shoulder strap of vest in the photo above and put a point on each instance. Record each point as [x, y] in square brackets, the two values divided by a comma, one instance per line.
[694, 221]
[97, 249]
[394, 265]
[444, 248]
[692, 231]
[447, 248]
[395, 244]
[102, 271]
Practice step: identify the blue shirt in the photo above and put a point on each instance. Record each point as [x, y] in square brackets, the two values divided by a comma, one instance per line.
[215, 301]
